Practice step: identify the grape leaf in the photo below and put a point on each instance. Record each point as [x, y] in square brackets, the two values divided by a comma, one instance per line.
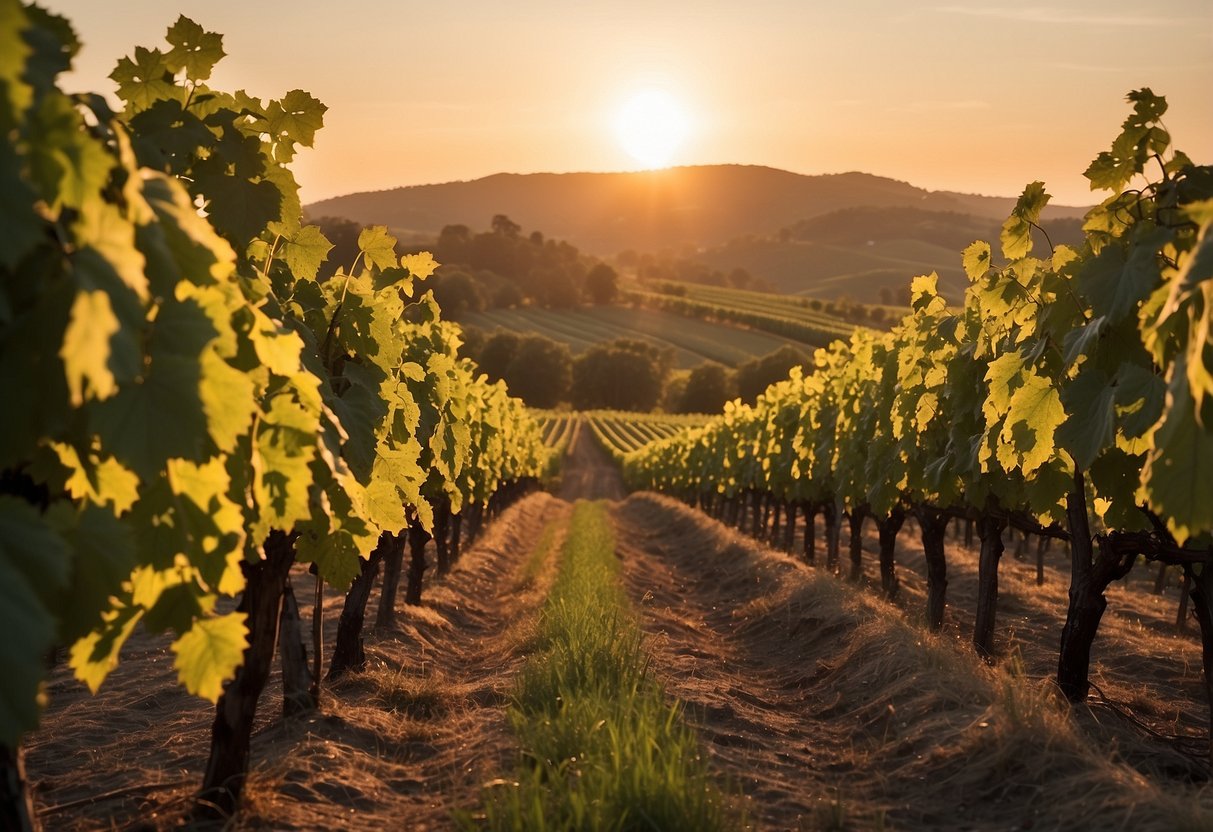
[305, 251]
[34, 564]
[194, 49]
[377, 246]
[208, 655]
[86, 347]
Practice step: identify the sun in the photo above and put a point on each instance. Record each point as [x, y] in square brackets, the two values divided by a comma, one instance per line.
[651, 126]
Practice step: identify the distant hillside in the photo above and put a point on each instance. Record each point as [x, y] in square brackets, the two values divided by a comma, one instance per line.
[862, 250]
[605, 213]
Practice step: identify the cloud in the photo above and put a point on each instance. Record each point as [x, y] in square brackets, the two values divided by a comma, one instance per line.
[1059, 17]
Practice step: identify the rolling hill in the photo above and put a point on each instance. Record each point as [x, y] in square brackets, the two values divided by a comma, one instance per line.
[605, 213]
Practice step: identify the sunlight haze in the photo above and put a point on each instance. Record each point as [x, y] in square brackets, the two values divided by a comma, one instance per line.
[976, 97]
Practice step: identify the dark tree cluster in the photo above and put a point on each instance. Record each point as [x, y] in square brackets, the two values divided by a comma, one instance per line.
[710, 385]
[510, 268]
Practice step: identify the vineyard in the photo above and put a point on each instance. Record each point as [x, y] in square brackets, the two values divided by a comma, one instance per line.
[692, 341]
[274, 555]
[782, 315]
[1067, 399]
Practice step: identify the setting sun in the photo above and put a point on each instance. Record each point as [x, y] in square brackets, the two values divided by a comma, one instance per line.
[651, 126]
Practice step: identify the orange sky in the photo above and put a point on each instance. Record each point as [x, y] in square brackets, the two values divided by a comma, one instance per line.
[978, 97]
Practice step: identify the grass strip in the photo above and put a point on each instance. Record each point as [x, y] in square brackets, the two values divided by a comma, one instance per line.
[602, 750]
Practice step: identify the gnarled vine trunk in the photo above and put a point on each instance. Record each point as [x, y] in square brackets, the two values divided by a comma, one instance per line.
[888, 528]
[989, 530]
[856, 518]
[1091, 571]
[348, 650]
[934, 526]
[418, 537]
[296, 677]
[233, 726]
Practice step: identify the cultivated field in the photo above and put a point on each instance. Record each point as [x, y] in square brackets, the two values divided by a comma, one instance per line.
[815, 703]
[693, 341]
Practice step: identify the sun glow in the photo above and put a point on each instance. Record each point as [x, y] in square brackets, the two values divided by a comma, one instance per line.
[651, 126]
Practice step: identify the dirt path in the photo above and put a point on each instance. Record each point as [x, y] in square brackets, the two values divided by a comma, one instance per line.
[830, 708]
[824, 705]
[588, 473]
[399, 746]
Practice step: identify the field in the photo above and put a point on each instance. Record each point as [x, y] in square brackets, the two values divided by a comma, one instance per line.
[692, 341]
[823, 270]
[815, 704]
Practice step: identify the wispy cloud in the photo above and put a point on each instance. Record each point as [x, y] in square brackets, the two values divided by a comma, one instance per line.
[1053, 16]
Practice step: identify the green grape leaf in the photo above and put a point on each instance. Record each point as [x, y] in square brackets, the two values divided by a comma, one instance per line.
[194, 49]
[296, 117]
[105, 483]
[1002, 374]
[1016, 235]
[1034, 414]
[66, 164]
[1116, 477]
[229, 400]
[15, 93]
[212, 525]
[1083, 340]
[34, 568]
[168, 137]
[104, 557]
[96, 654]
[378, 247]
[238, 208]
[1091, 425]
[1175, 478]
[187, 245]
[420, 265]
[305, 251]
[1140, 396]
[86, 347]
[284, 448]
[208, 655]
[145, 80]
[1115, 286]
[362, 410]
[161, 416]
[22, 228]
[335, 555]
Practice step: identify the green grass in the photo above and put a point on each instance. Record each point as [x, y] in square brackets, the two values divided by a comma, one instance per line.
[693, 341]
[602, 750]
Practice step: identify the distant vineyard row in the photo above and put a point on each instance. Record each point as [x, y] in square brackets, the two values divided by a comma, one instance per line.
[1071, 396]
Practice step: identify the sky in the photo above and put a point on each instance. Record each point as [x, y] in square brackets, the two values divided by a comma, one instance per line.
[980, 97]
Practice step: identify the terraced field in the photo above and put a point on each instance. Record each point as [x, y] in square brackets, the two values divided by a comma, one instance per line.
[693, 341]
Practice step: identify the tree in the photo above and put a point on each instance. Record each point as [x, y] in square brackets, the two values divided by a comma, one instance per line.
[541, 371]
[504, 226]
[343, 234]
[710, 385]
[602, 284]
[497, 354]
[618, 376]
[458, 293]
[760, 373]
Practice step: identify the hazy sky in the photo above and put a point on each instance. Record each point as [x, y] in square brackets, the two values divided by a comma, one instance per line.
[972, 96]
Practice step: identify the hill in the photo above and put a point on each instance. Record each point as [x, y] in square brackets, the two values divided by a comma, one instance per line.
[869, 252]
[605, 213]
